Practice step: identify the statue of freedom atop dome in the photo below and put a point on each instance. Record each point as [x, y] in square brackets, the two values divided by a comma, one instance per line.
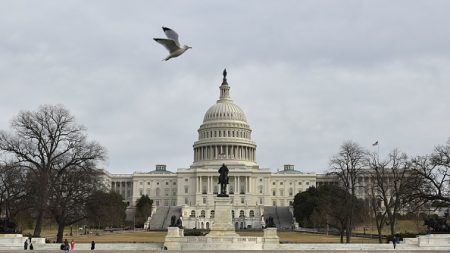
[223, 180]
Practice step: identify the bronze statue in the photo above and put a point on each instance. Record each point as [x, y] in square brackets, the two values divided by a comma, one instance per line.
[223, 180]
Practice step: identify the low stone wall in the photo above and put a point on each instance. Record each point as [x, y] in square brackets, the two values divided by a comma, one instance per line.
[175, 240]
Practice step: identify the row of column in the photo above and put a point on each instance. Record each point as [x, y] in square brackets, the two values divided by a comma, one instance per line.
[211, 181]
[224, 152]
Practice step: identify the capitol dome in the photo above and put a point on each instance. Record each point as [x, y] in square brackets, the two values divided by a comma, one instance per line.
[225, 133]
[224, 111]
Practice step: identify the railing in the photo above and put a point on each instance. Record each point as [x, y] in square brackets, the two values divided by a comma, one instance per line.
[246, 239]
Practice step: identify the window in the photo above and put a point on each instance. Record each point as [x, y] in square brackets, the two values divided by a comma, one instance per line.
[299, 183]
[167, 183]
[232, 213]
[202, 213]
[291, 192]
[174, 183]
[281, 183]
[273, 183]
[274, 202]
[307, 183]
[148, 183]
[204, 200]
[140, 183]
[185, 180]
[281, 192]
[274, 193]
[242, 200]
[252, 213]
[158, 191]
[260, 180]
[241, 214]
[166, 191]
[211, 214]
[193, 213]
[141, 191]
[186, 201]
[186, 189]
[260, 201]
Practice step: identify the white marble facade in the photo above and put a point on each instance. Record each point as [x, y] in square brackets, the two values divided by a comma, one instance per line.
[224, 137]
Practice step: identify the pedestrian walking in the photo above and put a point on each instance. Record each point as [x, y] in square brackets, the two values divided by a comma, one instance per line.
[72, 245]
[66, 245]
[92, 245]
[25, 244]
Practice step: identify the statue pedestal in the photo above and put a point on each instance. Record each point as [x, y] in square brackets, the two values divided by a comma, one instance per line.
[223, 224]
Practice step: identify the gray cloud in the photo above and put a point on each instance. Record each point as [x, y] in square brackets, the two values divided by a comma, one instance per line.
[308, 74]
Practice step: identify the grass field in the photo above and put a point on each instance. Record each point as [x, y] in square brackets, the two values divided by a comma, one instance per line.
[296, 237]
[155, 237]
[403, 226]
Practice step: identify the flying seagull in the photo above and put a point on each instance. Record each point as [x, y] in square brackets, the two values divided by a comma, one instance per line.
[171, 44]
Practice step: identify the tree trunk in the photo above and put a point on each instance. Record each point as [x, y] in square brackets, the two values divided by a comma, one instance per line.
[342, 235]
[348, 232]
[392, 225]
[38, 226]
[43, 198]
[60, 234]
[379, 229]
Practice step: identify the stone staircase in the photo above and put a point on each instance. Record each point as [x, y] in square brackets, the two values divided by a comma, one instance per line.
[160, 220]
[282, 216]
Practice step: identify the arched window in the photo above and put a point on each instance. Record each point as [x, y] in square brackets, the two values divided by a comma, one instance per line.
[241, 214]
[202, 213]
[252, 213]
[193, 213]
[211, 214]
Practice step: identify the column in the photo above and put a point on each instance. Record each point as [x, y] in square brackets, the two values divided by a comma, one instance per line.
[247, 188]
[208, 185]
[239, 184]
[198, 185]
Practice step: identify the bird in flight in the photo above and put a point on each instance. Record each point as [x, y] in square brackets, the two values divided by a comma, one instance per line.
[172, 44]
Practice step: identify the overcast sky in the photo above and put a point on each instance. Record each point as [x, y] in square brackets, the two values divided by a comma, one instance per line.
[308, 74]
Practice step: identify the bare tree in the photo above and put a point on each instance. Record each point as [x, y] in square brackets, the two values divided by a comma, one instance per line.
[69, 194]
[389, 180]
[432, 177]
[347, 166]
[48, 142]
[378, 212]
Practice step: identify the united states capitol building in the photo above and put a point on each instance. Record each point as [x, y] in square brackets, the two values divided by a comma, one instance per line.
[224, 137]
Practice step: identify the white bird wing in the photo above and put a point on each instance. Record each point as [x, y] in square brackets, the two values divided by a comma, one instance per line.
[168, 44]
[171, 34]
